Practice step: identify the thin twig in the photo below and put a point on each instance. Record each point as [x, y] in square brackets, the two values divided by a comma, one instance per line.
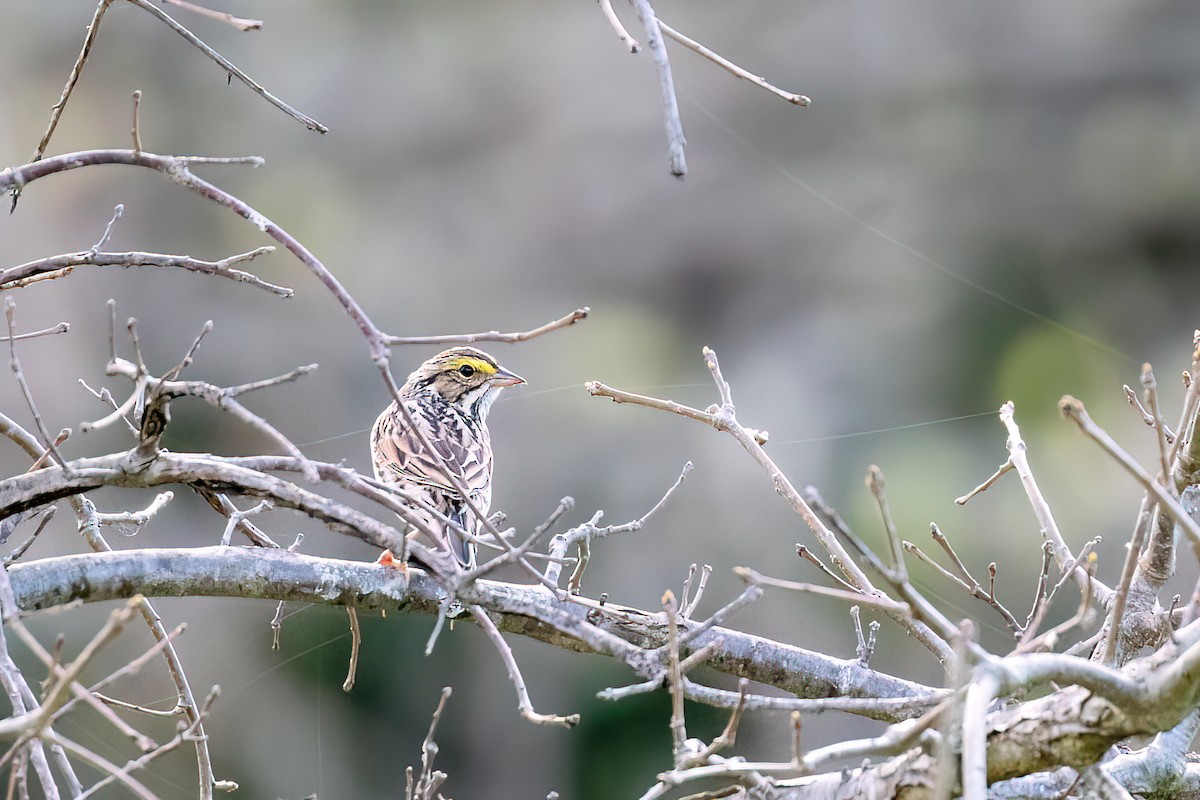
[1039, 595]
[62, 327]
[690, 608]
[58, 266]
[615, 21]
[1049, 639]
[135, 787]
[813, 498]
[1116, 617]
[687, 586]
[724, 63]
[135, 129]
[20, 549]
[524, 706]
[1150, 385]
[138, 518]
[93, 28]
[494, 336]
[15, 365]
[1074, 410]
[118, 210]
[236, 517]
[723, 417]
[63, 435]
[970, 585]
[1147, 417]
[810, 557]
[1185, 460]
[582, 535]
[675, 679]
[89, 528]
[658, 50]
[355, 641]
[878, 486]
[874, 601]
[728, 736]
[987, 484]
[241, 23]
[1085, 556]
[751, 594]
[228, 66]
[1041, 509]
[427, 782]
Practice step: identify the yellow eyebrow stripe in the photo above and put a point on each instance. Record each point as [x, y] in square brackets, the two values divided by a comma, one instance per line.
[477, 363]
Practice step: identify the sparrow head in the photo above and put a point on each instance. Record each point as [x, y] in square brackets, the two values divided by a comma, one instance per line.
[464, 377]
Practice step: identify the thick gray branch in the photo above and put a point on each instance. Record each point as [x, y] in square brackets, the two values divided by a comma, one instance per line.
[526, 610]
[33, 489]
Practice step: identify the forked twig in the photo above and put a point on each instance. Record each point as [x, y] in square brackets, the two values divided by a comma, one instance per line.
[810, 557]
[228, 66]
[15, 365]
[59, 266]
[429, 780]
[582, 535]
[1074, 410]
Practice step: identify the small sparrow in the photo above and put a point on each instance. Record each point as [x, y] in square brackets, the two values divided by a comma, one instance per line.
[448, 399]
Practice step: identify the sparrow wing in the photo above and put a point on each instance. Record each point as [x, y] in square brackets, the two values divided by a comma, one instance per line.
[460, 449]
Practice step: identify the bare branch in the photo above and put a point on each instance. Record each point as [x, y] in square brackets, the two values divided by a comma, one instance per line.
[93, 28]
[658, 50]
[526, 610]
[724, 63]
[241, 23]
[967, 581]
[228, 66]
[62, 327]
[494, 336]
[808, 556]
[877, 485]
[89, 528]
[60, 265]
[675, 679]
[987, 484]
[689, 607]
[135, 128]
[615, 21]
[723, 418]
[355, 641]
[1150, 385]
[1041, 509]
[1116, 617]
[15, 365]
[108, 229]
[879, 602]
[429, 780]
[582, 536]
[1073, 410]
[514, 675]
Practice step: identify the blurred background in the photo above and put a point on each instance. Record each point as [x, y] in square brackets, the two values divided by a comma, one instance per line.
[984, 203]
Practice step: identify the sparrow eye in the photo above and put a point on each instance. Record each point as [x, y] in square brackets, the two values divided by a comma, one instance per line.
[466, 370]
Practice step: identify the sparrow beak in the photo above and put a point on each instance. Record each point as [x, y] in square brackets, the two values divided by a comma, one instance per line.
[505, 378]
